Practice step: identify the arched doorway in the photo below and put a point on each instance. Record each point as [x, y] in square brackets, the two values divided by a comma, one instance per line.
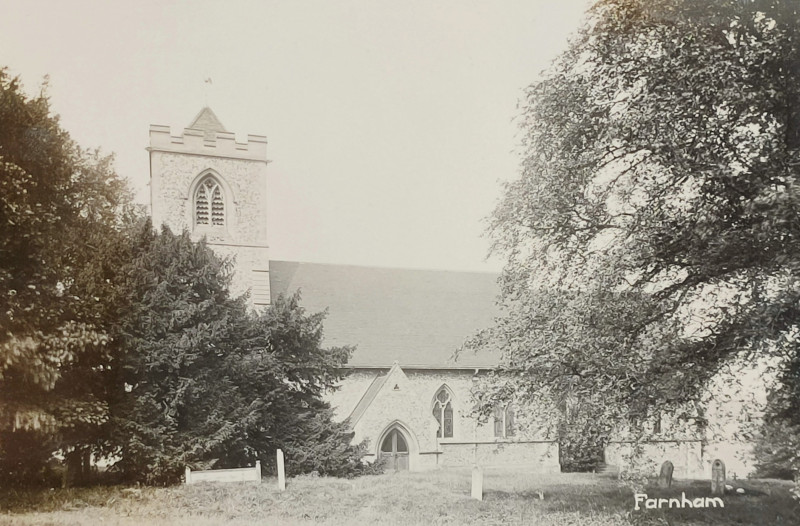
[394, 451]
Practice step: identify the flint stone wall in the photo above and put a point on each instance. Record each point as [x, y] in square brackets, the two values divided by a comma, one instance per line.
[406, 400]
[244, 236]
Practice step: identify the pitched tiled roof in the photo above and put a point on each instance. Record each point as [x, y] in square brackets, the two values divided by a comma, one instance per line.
[207, 121]
[414, 317]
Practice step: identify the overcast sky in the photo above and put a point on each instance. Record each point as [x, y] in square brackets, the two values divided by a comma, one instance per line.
[390, 124]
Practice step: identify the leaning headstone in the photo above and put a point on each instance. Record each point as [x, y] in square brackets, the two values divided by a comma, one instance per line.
[665, 477]
[477, 483]
[281, 472]
[718, 477]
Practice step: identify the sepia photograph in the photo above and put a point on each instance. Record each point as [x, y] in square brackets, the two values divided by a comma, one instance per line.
[350, 262]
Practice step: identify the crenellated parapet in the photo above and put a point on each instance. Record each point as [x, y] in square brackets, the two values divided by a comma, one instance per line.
[203, 142]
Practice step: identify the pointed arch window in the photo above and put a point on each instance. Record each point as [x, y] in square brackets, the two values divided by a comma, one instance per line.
[443, 413]
[209, 203]
[504, 421]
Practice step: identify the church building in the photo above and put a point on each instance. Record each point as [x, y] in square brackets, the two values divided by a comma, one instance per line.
[404, 393]
[403, 390]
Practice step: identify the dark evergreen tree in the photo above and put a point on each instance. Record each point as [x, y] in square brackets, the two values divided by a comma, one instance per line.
[122, 341]
[200, 381]
[287, 346]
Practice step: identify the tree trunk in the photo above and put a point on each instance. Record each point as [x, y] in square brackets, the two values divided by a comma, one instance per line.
[78, 468]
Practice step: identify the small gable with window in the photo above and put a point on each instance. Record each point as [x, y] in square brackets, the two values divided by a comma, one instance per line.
[420, 418]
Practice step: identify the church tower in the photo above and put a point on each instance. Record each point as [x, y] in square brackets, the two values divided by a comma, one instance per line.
[203, 181]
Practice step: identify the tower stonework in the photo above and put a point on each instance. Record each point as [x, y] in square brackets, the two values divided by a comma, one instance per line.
[205, 182]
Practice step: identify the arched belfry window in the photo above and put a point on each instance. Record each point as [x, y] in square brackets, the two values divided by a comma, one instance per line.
[209, 203]
[443, 412]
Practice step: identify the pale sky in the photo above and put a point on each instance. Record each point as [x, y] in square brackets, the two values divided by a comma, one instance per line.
[390, 123]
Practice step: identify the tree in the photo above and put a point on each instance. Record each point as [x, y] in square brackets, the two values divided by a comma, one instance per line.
[289, 341]
[778, 445]
[55, 200]
[118, 340]
[652, 237]
[199, 381]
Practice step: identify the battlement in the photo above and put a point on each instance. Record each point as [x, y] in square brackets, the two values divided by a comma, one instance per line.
[200, 142]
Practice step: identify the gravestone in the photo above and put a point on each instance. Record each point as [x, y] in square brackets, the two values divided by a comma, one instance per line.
[665, 477]
[281, 472]
[477, 483]
[718, 477]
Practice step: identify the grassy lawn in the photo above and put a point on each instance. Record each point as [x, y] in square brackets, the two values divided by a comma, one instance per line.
[440, 497]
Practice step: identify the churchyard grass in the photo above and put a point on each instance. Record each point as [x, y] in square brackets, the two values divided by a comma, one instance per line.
[441, 497]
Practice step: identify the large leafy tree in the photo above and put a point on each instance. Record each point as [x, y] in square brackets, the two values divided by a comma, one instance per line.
[653, 236]
[56, 201]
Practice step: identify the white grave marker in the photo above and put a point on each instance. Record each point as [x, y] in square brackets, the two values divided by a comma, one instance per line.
[477, 483]
[718, 478]
[281, 472]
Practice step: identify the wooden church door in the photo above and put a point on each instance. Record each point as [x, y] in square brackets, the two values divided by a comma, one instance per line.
[394, 451]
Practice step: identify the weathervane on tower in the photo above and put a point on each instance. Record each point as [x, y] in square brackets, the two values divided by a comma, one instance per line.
[208, 84]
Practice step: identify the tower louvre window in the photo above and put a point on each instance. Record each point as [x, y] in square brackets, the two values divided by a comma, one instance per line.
[209, 204]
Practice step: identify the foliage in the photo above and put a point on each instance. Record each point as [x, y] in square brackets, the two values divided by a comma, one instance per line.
[652, 236]
[776, 451]
[26, 458]
[121, 341]
[202, 382]
[170, 339]
[287, 343]
[56, 200]
[778, 446]
[318, 444]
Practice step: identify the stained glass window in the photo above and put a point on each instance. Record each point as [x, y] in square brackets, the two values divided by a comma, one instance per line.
[443, 413]
[498, 422]
[509, 424]
[504, 421]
